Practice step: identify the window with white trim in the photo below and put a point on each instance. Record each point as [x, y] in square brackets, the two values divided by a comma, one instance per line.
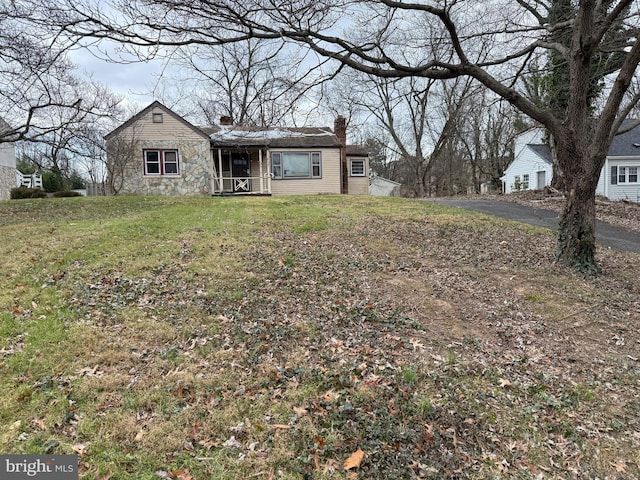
[525, 181]
[161, 162]
[357, 168]
[292, 165]
[624, 175]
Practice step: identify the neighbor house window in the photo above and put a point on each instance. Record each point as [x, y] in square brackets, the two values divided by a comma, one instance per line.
[296, 165]
[624, 175]
[161, 162]
[517, 183]
[157, 118]
[525, 181]
[357, 168]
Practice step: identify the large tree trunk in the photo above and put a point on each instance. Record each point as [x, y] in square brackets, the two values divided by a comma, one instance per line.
[576, 240]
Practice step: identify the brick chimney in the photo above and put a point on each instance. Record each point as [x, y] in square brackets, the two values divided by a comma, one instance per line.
[340, 129]
[226, 121]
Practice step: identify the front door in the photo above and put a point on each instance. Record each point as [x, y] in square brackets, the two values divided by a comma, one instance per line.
[241, 171]
[542, 180]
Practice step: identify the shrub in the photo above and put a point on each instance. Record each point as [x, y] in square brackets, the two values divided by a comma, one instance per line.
[67, 193]
[26, 192]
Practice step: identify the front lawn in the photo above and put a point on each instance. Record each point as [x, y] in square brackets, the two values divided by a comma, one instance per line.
[323, 337]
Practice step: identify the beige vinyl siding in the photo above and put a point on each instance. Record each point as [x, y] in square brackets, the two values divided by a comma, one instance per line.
[257, 176]
[170, 128]
[329, 183]
[358, 185]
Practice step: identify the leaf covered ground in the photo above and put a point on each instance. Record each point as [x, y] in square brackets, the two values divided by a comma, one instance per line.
[311, 337]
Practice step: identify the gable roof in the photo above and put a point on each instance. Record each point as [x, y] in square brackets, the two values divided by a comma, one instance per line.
[626, 144]
[5, 127]
[357, 151]
[378, 179]
[272, 137]
[542, 151]
[146, 110]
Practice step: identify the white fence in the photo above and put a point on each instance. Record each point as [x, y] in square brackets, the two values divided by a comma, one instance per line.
[30, 181]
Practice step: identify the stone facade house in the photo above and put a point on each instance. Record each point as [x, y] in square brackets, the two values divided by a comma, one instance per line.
[157, 152]
[7, 164]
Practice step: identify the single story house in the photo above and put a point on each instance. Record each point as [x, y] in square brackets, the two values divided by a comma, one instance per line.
[157, 152]
[7, 164]
[383, 187]
[532, 166]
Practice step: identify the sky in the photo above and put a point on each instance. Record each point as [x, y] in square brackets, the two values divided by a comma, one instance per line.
[135, 81]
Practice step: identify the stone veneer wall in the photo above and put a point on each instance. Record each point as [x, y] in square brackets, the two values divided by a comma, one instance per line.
[195, 171]
[7, 181]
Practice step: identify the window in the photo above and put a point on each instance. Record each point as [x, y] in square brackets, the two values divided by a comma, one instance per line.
[296, 165]
[357, 168]
[276, 165]
[525, 181]
[624, 175]
[157, 118]
[161, 162]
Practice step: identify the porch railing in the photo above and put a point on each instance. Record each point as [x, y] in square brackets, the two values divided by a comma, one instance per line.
[240, 185]
[33, 180]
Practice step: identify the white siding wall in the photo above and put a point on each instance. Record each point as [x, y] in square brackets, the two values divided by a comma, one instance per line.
[527, 162]
[382, 187]
[329, 183]
[601, 189]
[621, 191]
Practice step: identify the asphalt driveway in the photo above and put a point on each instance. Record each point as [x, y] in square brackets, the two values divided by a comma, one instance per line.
[606, 235]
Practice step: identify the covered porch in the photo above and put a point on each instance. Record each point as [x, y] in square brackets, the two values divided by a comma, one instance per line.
[241, 171]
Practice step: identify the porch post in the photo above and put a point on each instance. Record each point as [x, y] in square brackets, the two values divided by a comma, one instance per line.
[260, 170]
[268, 171]
[220, 179]
[212, 186]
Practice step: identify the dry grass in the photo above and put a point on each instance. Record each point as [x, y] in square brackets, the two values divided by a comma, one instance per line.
[172, 340]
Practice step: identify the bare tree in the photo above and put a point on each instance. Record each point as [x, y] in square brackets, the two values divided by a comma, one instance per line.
[39, 91]
[254, 82]
[485, 137]
[364, 36]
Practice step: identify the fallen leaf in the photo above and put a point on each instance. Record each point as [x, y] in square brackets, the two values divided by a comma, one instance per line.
[80, 448]
[39, 422]
[504, 383]
[281, 426]
[620, 466]
[300, 411]
[181, 474]
[354, 460]
[328, 396]
[139, 436]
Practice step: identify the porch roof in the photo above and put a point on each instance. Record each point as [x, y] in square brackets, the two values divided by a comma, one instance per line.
[272, 137]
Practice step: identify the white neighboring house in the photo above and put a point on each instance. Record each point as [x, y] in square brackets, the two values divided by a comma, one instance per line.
[7, 165]
[383, 187]
[619, 179]
[532, 167]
